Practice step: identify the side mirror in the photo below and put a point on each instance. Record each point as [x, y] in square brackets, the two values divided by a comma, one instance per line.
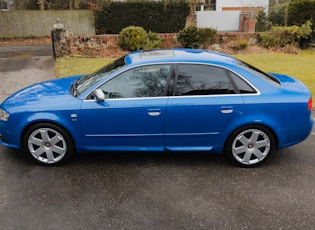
[99, 95]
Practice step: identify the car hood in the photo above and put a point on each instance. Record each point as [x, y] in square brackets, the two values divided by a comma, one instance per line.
[41, 95]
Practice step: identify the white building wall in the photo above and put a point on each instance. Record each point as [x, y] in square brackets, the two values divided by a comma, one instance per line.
[241, 3]
[224, 21]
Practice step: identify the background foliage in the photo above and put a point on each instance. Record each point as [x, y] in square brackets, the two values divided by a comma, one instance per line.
[300, 11]
[282, 36]
[134, 38]
[193, 37]
[278, 15]
[159, 17]
[262, 23]
[56, 4]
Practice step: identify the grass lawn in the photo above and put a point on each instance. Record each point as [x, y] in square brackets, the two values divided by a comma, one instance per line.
[300, 66]
[75, 66]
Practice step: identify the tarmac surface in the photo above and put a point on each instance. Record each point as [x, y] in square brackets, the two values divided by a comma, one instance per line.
[148, 190]
[21, 66]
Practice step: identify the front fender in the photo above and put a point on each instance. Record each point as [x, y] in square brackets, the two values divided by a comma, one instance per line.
[18, 124]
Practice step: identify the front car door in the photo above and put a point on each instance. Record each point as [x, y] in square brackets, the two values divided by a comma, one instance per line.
[133, 115]
[204, 101]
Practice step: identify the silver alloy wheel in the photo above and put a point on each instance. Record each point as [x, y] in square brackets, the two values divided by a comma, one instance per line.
[47, 145]
[251, 146]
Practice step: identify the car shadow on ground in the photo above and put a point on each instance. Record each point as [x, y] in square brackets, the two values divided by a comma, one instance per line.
[149, 158]
[125, 158]
[143, 159]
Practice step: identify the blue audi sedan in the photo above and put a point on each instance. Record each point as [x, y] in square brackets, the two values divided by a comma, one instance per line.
[160, 100]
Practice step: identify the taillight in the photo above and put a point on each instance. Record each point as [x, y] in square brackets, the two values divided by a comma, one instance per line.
[310, 104]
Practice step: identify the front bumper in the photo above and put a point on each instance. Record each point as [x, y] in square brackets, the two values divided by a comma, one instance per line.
[8, 139]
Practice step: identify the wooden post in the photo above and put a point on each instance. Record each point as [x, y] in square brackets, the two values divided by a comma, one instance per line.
[41, 4]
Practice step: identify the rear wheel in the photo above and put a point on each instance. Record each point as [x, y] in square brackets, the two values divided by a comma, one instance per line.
[250, 146]
[48, 144]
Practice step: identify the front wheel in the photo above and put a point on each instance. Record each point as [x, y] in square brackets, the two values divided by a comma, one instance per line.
[250, 146]
[48, 144]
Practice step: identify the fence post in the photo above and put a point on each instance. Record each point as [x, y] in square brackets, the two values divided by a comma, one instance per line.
[53, 44]
[59, 42]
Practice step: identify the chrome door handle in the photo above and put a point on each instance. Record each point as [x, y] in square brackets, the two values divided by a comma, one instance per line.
[226, 109]
[154, 112]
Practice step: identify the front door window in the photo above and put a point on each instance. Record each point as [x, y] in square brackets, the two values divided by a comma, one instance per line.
[146, 81]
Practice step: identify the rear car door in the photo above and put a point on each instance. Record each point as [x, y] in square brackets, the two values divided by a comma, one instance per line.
[203, 104]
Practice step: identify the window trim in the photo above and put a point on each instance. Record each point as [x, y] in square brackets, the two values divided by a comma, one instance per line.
[169, 89]
[88, 97]
[227, 72]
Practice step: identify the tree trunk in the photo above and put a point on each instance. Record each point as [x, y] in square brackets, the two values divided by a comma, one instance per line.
[70, 5]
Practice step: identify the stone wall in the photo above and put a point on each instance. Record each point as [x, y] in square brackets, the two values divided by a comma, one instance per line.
[107, 45]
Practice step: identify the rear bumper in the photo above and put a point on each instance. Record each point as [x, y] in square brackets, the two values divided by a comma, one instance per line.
[295, 136]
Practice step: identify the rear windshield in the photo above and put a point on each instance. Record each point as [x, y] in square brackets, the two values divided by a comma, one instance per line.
[259, 73]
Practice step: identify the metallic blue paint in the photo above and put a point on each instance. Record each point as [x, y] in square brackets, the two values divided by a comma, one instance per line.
[188, 123]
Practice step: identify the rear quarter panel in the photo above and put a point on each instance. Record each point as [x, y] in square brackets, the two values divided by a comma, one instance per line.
[282, 109]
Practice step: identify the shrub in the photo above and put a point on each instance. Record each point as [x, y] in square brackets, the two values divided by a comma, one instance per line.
[153, 41]
[189, 37]
[207, 36]
[268, 40]
[134, 38]
[241, 44]
[192, 37]
[285, 36]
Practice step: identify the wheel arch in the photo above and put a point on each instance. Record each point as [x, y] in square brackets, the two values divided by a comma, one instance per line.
[273, 133]
[33, 123]
[244, 151]
[232, 130]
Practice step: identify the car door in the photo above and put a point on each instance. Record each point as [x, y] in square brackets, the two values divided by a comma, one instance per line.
[203, 104]
[133, 115]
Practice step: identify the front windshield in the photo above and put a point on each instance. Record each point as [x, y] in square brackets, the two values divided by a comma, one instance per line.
[87, 81]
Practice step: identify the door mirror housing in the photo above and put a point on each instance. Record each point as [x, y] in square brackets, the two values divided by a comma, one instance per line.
[99, 95]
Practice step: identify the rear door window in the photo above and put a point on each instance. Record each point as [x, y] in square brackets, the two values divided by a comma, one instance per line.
[193, 80]
[242, 86]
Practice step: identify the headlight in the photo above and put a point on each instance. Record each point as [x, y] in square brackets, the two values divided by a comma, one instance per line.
[4, 116]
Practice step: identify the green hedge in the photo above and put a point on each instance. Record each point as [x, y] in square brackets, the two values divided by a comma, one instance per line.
[159, 17]
[300, 11]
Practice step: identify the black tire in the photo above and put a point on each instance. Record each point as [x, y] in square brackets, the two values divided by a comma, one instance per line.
[48, 144]
[250, 146]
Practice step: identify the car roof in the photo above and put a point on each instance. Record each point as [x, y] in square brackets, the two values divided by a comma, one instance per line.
[178, 55]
